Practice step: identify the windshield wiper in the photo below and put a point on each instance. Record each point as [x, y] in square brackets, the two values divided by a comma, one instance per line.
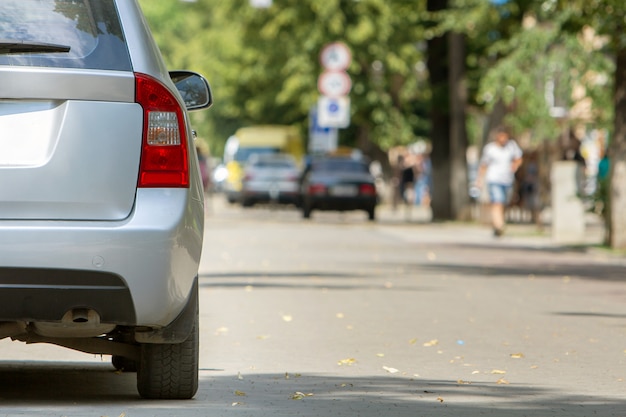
[12, 46]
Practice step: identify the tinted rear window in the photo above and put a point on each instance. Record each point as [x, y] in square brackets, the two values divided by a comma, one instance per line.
[91, 29]
[340, 165]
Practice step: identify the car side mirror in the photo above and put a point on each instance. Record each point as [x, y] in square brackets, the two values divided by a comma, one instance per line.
[193, 88]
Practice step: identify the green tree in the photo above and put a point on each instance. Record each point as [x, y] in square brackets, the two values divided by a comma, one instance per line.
[607, 18]
[280, 65]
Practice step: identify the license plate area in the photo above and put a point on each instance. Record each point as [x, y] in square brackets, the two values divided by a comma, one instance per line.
[344, 191]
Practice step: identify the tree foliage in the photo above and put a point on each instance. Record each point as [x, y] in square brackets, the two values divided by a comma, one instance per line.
[263, 64]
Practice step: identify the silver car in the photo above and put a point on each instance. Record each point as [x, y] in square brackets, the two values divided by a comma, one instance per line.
[270, 178]
[101, 200]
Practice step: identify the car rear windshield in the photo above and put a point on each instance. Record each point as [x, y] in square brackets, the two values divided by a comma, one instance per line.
[62, 34]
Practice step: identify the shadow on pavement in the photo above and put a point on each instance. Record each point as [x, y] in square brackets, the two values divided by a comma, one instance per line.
[71, 389]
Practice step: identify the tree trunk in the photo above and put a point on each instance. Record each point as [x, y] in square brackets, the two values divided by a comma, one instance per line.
[437, 63]
[617, 193]
[458, 132]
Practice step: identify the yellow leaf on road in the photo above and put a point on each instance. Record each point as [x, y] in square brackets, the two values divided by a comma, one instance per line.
[517, 355]
[502, 381]
[240, 393]
[348, 361]
[498, 372]
[390, 370]
[433, 342]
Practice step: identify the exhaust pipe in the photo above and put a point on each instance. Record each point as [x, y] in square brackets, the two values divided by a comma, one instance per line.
[81, 315]
[78, 322]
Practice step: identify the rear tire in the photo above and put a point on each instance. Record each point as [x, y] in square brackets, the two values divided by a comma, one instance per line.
[169, 371]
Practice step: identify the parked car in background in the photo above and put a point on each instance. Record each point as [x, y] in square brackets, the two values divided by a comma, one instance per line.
[256, 140]
[340, 183]
[270, 178]
[101, 208]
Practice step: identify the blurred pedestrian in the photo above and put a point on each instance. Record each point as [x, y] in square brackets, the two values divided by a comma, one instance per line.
[500, 160]
[423, 180]
[407, 182]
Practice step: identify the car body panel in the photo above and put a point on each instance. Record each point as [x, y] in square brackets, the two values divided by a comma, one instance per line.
[69, 201]
[66, 160]
[155, 250]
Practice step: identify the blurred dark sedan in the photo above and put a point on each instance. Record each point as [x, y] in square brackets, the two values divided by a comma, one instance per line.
[338, 183]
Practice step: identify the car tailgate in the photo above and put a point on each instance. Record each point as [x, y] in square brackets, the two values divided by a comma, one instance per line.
[70, 152]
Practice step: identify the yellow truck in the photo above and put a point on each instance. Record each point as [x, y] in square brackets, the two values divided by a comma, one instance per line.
[253, 140]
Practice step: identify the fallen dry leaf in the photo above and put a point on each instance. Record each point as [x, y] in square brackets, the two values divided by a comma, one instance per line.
[390, 370]
[339, 315]
[433, 342]
[414, 341]
[235, 403]
[380, 355]
[498, 372]
[300, 395]
[517, 355]
[502, 381]
[348, 361]
[240, 393]
[221, 330]
[287, 318]
[461, 382]
[440, 399]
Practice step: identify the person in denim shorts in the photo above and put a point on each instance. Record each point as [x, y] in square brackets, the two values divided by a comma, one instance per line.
[500, 160]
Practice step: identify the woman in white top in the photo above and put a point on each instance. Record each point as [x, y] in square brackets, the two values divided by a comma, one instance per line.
[498, 164]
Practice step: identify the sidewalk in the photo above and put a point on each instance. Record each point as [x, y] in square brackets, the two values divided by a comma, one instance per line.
[516, 232]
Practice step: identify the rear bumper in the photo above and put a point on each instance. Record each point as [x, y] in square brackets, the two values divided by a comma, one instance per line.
[258, 196]
[139, 271]
[340, 203]
[37, 294]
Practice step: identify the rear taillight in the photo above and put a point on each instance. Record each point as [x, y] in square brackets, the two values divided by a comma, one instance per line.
[164, 156]
[367, 189]
[317, 189]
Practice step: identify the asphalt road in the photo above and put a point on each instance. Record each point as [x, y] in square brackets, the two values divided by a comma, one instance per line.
[338, 316]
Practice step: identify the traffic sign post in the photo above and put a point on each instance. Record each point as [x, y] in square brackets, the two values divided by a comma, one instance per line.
[333, 107]
[333, 112]
[321, 139]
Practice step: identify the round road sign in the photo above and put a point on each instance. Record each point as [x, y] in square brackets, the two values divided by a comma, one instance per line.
[334, 83]
[336, 56]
